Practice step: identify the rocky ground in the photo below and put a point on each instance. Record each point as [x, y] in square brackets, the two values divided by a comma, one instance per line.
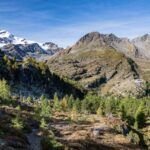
[92, 132]
[74, 131]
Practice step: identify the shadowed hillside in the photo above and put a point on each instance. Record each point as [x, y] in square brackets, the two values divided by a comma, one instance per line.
[33, 78]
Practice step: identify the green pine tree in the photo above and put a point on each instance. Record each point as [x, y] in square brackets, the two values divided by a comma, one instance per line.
[45, 107]
[56, 105]
[4, 90]
[17, 122]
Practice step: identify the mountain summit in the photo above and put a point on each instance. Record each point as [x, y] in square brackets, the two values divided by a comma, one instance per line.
[100, 62]
[98, 41]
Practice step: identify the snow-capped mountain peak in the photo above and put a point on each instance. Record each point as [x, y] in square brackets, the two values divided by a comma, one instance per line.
[8, 38]
[4, 33]
[20, 48]
[49, 45]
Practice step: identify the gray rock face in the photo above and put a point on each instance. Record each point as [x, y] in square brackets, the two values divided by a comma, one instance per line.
[136, 48]
[34, 48]
[14, 51]
[20, 51]
[51, 48]
[143, 45]
[123, 45]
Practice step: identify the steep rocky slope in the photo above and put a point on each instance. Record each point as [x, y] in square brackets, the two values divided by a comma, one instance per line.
[144, 67]
[138, 49]
[143, 45]
[20, 51]
[123, 45]
[94, 63]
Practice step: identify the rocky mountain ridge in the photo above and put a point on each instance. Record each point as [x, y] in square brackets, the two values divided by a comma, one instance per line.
[20, 48]
[97, 65]
[136, 48]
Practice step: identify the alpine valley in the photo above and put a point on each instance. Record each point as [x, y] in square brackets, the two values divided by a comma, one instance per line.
[93, 95]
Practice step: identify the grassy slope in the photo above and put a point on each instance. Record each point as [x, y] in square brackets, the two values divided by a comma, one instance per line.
[97, 69]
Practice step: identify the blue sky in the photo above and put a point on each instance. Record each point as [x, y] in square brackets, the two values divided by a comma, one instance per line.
[65, 21]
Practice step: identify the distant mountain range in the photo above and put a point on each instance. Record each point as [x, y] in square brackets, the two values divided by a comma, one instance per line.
[103, 63]
[20, 48]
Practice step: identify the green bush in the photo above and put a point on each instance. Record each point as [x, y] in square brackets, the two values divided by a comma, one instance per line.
[100, 112]
[134, 138]
[18, 108]
[90, 104]
[29, 99]
[51, 144]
